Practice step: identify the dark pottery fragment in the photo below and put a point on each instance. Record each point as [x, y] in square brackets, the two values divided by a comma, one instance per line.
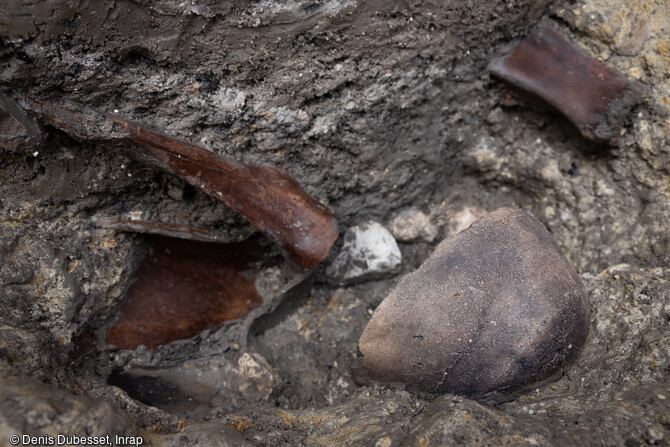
[496, 307]
[595, 98]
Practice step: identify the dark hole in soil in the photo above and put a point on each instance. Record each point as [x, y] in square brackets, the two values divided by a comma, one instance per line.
[184, 287]
[150, 390]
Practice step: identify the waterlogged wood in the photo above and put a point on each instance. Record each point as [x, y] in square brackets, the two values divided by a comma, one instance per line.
[496, 307]
[181, 231]
[267, 197]
[182, 288]
[595, 98]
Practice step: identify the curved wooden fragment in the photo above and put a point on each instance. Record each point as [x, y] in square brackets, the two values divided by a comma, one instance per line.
[595, 98]
[175, 230]
[182, 288]
[267, 197]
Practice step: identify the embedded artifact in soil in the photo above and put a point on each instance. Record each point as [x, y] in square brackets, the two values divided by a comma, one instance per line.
[184, 287]
[18, 132]
[181, 231]
[495, 308]
[595, 98]
[267, 197]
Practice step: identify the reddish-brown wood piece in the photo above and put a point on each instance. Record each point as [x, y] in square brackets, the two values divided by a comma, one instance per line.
[595, 98]
[267, 197]
[180, 231]
[182, 288]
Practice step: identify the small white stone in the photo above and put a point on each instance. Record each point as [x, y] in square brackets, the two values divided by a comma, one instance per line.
[253, 369]
[369, 251]
[413, 224]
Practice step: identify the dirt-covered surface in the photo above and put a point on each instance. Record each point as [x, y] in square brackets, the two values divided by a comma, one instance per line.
[373, 107]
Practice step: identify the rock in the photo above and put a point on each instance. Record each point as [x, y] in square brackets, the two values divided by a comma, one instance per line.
[18, 132]
[413, 224]
[31, 408]
[495, 116]
[25, 351]
[52, 294]
[209, 434]
[217, 381]
[545, 420]
[496, 307]
[254, 376]
[28, 407]
[144, 416]
[368, 418]
[369, 252]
